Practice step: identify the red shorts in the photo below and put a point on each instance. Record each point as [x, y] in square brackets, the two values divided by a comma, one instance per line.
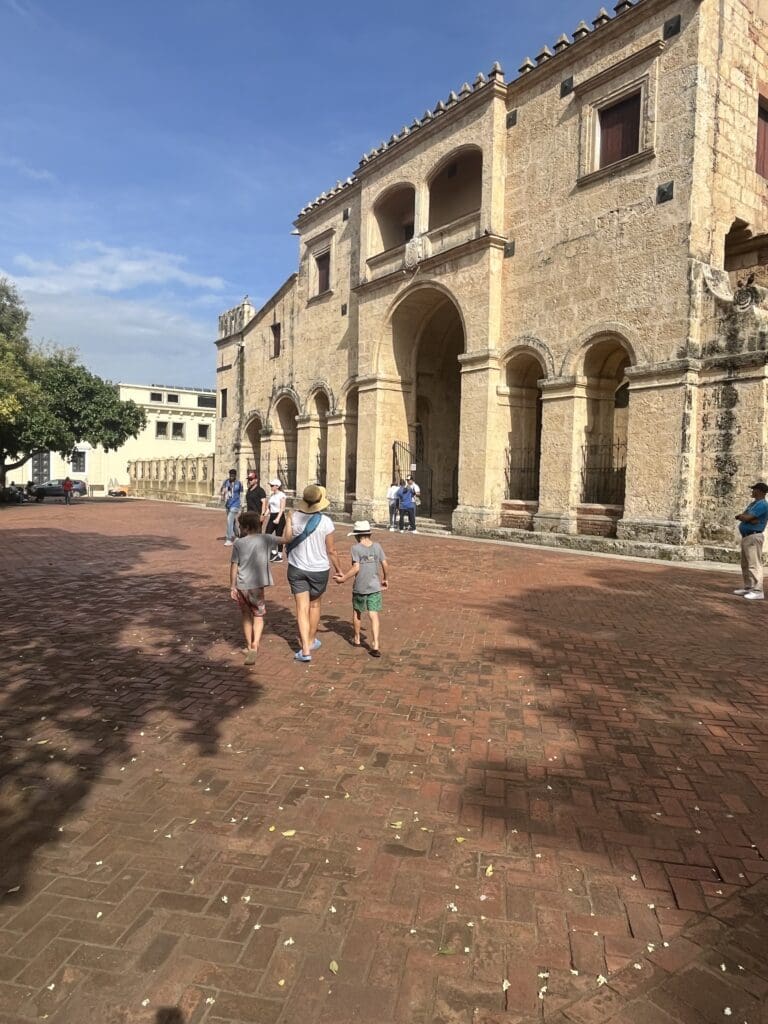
[253, 601]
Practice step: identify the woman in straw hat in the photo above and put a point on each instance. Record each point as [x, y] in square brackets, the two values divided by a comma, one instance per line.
[310, 555]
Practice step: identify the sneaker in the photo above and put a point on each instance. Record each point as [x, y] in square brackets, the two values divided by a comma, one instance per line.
[414, 530]
[228, 543]
[316, 644]
[742, 591]
[755, 595]
[300, 656]
[392, 529]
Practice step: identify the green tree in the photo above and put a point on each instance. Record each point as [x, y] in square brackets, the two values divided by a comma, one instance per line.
[48, 400]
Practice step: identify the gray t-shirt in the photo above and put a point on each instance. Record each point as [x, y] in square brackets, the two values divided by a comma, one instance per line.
[251, 555]
[367, 580]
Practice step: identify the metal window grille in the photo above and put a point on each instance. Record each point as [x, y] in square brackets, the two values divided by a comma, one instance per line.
[321, 468]
[603, 473]
[286, 471]
[521, 474]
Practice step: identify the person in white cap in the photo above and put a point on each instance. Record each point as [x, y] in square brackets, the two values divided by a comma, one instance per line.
[276, 514]
[371, 575]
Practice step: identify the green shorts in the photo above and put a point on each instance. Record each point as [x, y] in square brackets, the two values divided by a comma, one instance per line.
[367, 602]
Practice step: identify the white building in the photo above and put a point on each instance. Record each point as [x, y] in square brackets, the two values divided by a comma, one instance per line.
[180, 422]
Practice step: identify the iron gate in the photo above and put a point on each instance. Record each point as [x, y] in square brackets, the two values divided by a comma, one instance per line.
[405, 464]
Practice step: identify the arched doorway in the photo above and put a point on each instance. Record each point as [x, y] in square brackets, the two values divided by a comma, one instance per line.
[321, 410]
[285, 440]
[350, 449]
[428, 338]
[604, 452]
[523, 451]
[253, 431]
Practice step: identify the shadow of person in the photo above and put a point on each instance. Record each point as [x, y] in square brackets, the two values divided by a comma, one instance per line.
[341, 627]
[169, 1015]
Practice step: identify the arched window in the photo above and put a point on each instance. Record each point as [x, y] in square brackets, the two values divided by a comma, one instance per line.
[393, 219]
[456, 190]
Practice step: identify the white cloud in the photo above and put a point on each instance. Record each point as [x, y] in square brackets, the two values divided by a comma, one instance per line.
[107, 269]
[150, 342]
[26, 170]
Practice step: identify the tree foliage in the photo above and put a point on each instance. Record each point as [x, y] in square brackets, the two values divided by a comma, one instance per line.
[48, 400]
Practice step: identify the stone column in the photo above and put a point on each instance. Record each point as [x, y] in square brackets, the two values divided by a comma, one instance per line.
[563, 419]
[662, 440]
[382, 420]
[481, 445]
[305, 456]
[335, 465]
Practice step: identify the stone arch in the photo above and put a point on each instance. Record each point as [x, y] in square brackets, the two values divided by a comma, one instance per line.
[383, 358]
[393, 215]
[255, 424]
[602, 361]
[529, 344]
[425, 339]
[318, 387]
[285, 409]
[573, 361]
[455, 186]
[347, 389]
[283, 392]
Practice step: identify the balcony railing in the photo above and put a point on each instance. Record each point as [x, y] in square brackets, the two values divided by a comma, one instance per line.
[603, 473]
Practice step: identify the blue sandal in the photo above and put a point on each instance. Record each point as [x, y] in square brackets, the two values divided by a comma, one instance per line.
[300, 656]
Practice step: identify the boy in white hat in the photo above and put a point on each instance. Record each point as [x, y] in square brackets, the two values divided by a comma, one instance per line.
[371, 575]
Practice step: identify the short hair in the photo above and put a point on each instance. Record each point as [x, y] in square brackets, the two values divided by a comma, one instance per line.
[402, 482]
[249, 521]
[233, 471]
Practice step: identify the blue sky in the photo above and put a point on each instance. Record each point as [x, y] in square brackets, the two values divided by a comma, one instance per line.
[153, 155]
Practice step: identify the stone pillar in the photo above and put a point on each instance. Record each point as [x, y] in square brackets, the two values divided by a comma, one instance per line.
[382, 420]
[481, 444]
[563, 419]
[662, 440]
[335, 465]
[305, 455]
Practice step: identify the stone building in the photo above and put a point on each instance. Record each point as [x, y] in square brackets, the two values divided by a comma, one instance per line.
[544, 293]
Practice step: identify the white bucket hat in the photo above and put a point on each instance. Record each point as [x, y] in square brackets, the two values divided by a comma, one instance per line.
[360, 526]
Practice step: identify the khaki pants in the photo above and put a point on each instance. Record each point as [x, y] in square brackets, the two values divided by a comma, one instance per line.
[752, 561]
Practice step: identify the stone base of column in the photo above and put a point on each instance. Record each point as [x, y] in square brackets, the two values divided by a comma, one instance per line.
[374, 510]
[475, 519]
[658, 531]
[555, 522]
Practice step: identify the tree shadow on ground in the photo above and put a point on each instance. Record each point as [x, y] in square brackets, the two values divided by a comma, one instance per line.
[631, 755]
[94, 648]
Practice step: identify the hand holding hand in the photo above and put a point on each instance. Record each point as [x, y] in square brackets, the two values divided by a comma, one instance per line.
[233, 593]
[338, 577]
[385, 584]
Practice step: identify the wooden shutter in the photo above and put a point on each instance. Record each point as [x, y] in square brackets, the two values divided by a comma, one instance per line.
[620, 130]
[323, 272]
[762, 138]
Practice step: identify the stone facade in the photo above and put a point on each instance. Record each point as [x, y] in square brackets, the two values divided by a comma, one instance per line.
[559, 322]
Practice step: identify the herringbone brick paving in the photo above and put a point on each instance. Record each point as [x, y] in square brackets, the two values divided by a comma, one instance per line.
[559, 766]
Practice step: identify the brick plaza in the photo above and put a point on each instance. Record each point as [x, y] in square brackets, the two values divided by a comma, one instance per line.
[555, 778]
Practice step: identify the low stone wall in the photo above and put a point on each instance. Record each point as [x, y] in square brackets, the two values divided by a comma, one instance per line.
[189, 479]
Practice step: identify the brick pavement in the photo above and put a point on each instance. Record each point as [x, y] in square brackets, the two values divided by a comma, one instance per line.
[557, 771]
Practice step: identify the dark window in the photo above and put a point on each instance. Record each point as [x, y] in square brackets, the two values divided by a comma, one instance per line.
[762, 138]
[275, 328]
[155, 396]
[323, 262]
[407, 232]
[206, 401]
[161, 429]
[620, 130]
[172, 398]
[223, 404]
[78, 462]
[203, 432]
[177, 431]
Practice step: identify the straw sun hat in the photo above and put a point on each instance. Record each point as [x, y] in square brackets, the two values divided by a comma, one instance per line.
[313, 499]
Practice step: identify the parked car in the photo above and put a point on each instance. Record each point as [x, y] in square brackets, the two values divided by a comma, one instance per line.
[117, 492]
[55, 489]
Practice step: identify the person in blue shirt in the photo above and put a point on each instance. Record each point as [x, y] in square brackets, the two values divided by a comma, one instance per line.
[406, 502]
[231, 492]
[752, 529]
